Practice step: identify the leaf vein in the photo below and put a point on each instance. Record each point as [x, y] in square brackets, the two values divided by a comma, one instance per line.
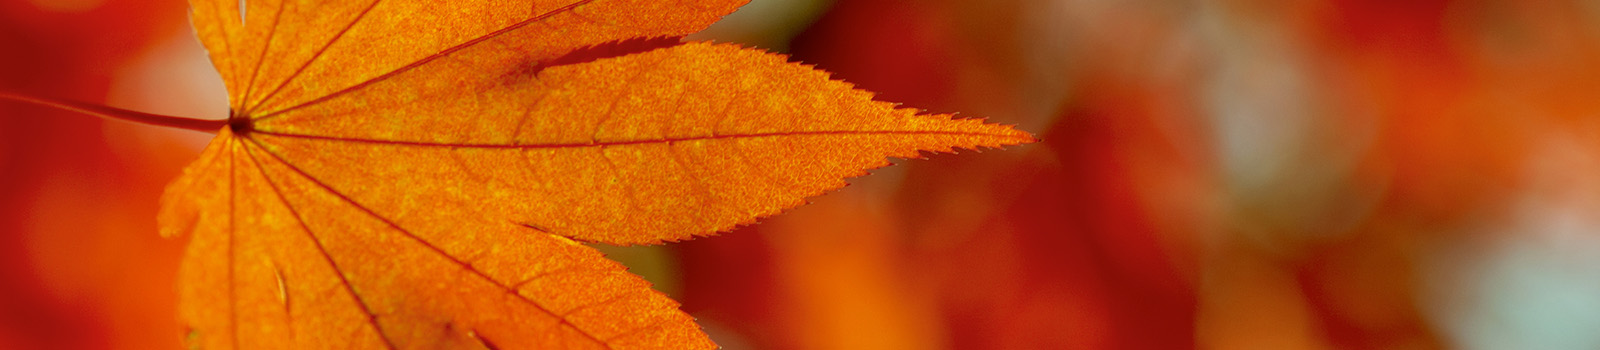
[580, 308]
[372, 318]
[658, 323]
[426, 244]
[233, 213]
[272, 35]
[616, 173]
[700, 182]
[759, 171]
[649, 141]
[547, 274]
[314, 57]
[425, 60]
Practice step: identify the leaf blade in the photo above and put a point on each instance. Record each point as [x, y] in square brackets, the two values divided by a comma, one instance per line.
[312, 278]
[335, 45]
[588, 124]
[381, 177]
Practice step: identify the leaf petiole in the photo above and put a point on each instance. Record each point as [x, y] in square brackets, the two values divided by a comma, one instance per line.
[114, 113]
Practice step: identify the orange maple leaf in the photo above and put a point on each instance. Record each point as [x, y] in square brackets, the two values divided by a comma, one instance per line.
[414, 173]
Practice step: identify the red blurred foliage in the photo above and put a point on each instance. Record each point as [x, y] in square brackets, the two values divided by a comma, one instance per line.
[1465, 90]
[1070, 244]
[81, 266]
[1131, 226]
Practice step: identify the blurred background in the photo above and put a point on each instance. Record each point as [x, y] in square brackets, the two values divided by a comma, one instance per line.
[1231, 174]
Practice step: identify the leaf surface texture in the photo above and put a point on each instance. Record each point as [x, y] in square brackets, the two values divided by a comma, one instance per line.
[417, 174]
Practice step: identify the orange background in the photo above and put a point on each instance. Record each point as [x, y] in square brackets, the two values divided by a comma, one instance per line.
[1223, 175]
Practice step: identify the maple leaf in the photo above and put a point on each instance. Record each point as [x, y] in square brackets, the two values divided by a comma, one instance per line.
[416, 174]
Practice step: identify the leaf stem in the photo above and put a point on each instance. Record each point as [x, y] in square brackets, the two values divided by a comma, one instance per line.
[114, 113]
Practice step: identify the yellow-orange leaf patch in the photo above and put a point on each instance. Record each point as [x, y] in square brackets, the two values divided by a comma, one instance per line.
[414, 174]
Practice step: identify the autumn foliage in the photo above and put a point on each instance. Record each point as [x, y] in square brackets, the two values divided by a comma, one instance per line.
[1220, 175]
[380, 184]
